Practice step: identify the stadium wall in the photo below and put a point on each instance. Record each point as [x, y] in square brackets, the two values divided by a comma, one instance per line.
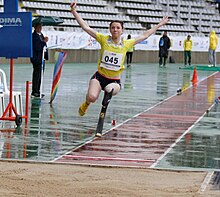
[91, 56]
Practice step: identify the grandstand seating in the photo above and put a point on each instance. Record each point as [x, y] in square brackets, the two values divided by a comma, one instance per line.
[1, 5]
[189, 16]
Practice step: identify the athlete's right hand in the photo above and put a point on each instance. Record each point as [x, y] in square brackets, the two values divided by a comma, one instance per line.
[73, 6]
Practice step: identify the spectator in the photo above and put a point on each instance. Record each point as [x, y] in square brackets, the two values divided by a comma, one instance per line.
[213, 43]
[187, 50]
[39, 41]
[164, 45]
[129, 53]
[218, 5]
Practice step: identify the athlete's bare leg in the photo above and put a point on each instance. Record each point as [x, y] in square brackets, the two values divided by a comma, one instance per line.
[94, 90]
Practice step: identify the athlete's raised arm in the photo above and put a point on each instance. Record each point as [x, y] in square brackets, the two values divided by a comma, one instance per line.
[81, 22]
[151, 31]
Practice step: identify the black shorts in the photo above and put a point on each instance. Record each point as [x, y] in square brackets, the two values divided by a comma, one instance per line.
[105, 81]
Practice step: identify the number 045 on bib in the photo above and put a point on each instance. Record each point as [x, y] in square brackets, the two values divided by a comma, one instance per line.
[111, 60]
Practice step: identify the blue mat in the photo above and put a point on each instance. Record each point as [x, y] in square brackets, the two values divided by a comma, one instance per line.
[205, 68]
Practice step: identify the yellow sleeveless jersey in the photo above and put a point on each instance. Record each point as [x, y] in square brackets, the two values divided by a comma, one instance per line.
[111, 62]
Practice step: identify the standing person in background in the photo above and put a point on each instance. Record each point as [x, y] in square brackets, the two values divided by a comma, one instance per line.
[112, 57]
[187, 50]
[39, 41]
[164, 45]
[129, 53]
[213, 43]
[218, 5]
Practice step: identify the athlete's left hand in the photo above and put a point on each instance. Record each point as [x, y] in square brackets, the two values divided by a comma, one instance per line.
[164, 20]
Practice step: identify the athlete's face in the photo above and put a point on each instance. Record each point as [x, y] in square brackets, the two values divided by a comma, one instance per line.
[116, 29]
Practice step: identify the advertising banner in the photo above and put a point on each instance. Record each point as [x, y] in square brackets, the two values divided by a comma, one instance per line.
[81, 40]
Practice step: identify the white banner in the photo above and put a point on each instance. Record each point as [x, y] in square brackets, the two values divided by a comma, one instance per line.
[81, 40]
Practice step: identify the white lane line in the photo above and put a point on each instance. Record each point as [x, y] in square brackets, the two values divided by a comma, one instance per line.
[174, 144]
[206, 182]
[93, 138]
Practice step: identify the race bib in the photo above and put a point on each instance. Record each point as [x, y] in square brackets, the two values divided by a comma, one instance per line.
[111, 60]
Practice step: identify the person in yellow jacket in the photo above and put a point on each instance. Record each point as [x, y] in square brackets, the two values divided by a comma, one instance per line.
[187, 50]
[112, 57]
[213, 43]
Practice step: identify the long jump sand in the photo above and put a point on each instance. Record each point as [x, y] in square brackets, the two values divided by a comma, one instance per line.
[37, 179]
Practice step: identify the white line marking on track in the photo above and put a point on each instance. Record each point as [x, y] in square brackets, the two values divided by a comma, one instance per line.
[177, 140]
[153, 165]
[106, 158]
[206, 182]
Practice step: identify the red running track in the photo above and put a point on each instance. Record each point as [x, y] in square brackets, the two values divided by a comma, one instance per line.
[142, 140]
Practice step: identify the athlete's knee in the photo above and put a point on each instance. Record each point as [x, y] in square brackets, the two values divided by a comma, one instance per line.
[91, 98]
[114, 86]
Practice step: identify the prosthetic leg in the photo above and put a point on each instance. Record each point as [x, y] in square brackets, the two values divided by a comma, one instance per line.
[105, 102]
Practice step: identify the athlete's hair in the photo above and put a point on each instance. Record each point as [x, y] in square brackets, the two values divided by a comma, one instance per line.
[117, 21]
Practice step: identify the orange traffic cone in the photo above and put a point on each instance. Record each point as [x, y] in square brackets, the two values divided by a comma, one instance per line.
[195, 77]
